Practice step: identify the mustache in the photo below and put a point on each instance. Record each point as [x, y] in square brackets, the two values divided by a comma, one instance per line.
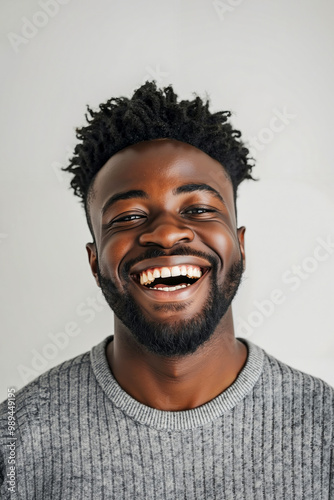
[152, 253]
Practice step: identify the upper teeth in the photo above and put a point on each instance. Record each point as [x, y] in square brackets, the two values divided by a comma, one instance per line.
[149, 275]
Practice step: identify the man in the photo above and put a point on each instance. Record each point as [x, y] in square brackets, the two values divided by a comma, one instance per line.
[172, 406]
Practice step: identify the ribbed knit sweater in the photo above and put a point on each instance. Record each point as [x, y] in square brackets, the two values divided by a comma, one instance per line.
[80, 436]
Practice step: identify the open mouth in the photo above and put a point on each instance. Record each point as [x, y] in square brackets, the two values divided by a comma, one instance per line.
[170, 279]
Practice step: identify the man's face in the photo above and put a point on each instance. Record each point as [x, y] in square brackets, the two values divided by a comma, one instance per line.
[168, 256]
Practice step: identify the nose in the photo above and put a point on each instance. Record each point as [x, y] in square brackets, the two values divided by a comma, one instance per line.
[166, 233]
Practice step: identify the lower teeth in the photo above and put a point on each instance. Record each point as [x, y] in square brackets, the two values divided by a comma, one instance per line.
[172, 288]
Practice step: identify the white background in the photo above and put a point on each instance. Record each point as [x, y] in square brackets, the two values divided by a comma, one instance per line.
[257, 58]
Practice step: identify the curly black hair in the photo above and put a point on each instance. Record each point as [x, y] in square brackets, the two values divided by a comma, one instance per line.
[154, 113]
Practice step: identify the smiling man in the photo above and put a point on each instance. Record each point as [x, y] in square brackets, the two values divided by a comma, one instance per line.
[172, 405]
[169, 260]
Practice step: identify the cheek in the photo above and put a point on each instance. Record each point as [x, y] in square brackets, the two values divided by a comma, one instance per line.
[112, 255]
[224, 242]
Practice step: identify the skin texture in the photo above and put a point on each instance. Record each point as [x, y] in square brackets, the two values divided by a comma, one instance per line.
[166, 221]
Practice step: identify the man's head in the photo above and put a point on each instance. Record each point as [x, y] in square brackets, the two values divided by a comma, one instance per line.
[159, 179]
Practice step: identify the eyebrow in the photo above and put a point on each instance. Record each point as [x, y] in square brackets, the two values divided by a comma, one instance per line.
[126, 195]
[189, 188]
[138, 193]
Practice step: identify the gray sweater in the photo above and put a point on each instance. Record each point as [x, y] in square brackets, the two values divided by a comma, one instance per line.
[80, 436]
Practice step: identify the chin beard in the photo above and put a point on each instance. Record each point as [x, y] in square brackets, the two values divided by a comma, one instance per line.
[181, 337]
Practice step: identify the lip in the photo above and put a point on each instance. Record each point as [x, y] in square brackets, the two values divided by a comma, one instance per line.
[170, 261]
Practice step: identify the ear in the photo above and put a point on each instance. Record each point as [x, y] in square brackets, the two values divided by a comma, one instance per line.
[241, 237]
[92, 258]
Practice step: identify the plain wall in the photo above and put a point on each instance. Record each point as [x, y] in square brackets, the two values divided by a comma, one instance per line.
[269, 62]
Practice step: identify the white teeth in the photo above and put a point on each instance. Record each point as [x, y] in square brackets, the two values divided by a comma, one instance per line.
[176, 271]
[150, 276]
[147, 277]
[171, 288]
[165, 272]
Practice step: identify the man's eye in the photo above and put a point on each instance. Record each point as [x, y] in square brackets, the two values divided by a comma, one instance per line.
[199, 210]
[127, 218]
[123, 220]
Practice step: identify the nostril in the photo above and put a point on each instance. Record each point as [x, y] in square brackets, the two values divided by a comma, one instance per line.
[166, 236]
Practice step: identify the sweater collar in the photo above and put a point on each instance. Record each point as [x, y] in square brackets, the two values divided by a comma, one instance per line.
[177, 420]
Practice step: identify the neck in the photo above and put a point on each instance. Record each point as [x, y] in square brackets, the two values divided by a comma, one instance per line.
[179, 383]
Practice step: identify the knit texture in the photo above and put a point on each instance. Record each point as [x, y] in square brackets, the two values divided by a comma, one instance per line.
[80, 436]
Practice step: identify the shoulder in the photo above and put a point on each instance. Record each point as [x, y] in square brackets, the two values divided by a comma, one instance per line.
[296, 389]
[283, 373]
[52, 385]
[294, 378]
[298, 407]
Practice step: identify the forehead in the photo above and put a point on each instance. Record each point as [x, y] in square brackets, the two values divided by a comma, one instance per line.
[156, 164]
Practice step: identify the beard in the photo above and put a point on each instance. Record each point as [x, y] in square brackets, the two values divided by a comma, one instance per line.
[179, 338]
